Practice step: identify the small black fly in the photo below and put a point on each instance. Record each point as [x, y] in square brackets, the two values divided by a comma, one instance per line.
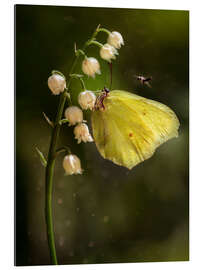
[144, 80]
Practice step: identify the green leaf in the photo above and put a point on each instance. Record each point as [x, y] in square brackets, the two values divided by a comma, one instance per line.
[41, 156]
[48, 120]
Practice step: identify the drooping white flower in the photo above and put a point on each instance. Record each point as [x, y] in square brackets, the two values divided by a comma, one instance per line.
[115, 39]
[74, 115]
[56, 83]
[87, 99]
[81, 132]
[72, 165]
[108, 52]
[90, 66]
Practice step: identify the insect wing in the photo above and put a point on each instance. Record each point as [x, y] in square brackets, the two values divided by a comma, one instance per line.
[131, 127]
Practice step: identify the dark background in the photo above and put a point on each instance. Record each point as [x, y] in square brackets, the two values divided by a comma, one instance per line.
[108, 214]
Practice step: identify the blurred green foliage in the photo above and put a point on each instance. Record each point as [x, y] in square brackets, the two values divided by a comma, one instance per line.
[109, 214]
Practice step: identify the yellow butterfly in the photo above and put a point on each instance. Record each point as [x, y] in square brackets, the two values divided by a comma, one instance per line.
[127, 128]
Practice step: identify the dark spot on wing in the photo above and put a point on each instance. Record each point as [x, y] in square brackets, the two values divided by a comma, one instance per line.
[130, 134]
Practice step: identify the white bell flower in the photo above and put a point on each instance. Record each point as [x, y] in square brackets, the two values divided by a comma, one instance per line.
[108, 52]
[81, 132]
[74, 115]
[72, 164]
[87, 99]
[56, 83]
[115, 39]
[90, 66]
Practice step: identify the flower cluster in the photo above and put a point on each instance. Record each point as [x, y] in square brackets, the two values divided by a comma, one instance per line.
[108, 52]
[86, 98]
[74, 116]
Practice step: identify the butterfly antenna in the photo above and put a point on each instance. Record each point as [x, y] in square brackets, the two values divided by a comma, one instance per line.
[110, 67]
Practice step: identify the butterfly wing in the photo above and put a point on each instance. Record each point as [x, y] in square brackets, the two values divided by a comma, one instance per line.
[131, 127]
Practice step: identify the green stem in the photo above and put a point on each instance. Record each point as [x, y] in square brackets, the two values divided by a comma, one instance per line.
[49, 181]
[78, 52]
[79, 77]
[94, 42]
[63, 149]
[104, 30]
[82, 84]
[51, 164]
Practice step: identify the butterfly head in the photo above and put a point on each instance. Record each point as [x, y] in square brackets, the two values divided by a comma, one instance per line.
[99, 104]
[105, 90]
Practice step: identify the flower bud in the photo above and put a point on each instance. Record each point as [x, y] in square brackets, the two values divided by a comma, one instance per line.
[56, 83]
[115, 39]
[90, 66]
[87, 100]
[72, 165]
[81, 133]
[74, 115]
[108, 52]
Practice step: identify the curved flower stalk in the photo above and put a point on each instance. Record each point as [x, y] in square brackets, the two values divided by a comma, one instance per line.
[52, 156]
[58, 85]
